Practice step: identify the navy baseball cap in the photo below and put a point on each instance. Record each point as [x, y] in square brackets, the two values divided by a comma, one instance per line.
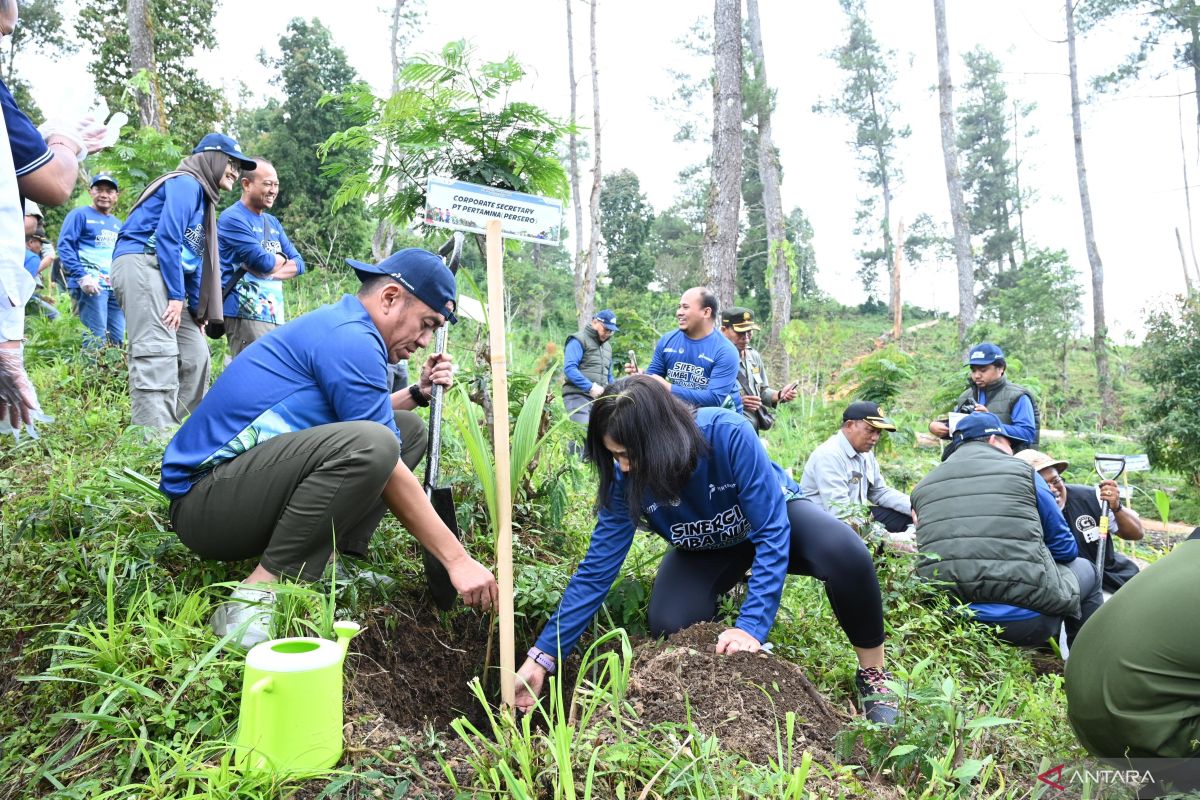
[981, 425]
[608, 318]
[224, 144]
[421, 272]
[984, 353]
[105, 177]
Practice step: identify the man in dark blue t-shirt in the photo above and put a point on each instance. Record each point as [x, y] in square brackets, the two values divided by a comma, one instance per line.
[696, 361]
[295, 451]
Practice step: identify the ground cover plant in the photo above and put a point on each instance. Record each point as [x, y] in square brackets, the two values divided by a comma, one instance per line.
[113, 685]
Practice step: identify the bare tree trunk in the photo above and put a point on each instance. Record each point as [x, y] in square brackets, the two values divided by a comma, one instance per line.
[385, 232]
[1187, 192]
[573, 158]
[1187, 275]
[958, 208]
[725, 187]
[151, 112]
[768, 170]
[1099, 328]
[1017, 184]
[897, 303]
[588, 308]
[1194, 54]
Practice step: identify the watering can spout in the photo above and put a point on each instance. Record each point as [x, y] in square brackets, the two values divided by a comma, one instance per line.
[345, 631]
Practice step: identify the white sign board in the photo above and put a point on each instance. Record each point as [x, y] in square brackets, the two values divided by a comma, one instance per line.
[468, 207]
[1138, 463]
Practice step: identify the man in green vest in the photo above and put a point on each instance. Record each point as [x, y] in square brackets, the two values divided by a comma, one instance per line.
[990, 527]
[587, 365]
[989, 391]
[738, 326]
[1133, 681]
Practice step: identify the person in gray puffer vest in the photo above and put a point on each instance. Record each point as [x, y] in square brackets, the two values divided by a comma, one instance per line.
[990, 391]
[587, 365]
[989, 526]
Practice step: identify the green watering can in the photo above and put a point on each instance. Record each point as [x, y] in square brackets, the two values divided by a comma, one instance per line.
[291, 717]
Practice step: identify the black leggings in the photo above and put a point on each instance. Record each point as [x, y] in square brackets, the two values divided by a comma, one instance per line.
[690, 581]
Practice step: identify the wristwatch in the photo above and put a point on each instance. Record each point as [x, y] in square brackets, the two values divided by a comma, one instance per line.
[543, 660]
[414, 391]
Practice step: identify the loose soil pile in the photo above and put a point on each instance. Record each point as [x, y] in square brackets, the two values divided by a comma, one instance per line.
[742, 698]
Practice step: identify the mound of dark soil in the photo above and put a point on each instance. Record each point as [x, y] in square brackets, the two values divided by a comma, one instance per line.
[742, 698]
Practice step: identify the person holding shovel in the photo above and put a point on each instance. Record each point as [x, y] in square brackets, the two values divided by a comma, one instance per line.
[703, 482]
[295, 453]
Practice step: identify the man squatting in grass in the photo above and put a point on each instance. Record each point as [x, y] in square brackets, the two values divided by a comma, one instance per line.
[696, 362]
[989, 526]
[737, 325]
[702, 481]
[253, 240]
[296, 452]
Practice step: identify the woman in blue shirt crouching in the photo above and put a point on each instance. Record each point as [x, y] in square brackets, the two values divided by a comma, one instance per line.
[706, 485]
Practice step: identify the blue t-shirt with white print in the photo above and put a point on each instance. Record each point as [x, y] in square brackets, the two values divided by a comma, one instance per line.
[329, 365]
[736, 494]
[171, 223]
[85, 245]
[702, 372]
[251, 241]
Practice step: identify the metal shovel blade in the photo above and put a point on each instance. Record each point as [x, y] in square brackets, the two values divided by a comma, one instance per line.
[436, 577]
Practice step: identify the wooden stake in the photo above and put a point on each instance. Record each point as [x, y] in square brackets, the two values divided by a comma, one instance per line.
[504, 572]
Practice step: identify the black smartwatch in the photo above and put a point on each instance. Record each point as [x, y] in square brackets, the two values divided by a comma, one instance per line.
[414, 391]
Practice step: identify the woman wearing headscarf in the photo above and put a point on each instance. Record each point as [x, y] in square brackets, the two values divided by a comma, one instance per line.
[167, 277]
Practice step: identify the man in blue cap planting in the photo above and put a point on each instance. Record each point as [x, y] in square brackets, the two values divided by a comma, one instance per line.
[988, 390]
[295, 452]
[990, 527]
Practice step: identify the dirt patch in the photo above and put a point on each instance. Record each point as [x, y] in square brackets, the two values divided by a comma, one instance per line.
[414, 668]
[742, 698]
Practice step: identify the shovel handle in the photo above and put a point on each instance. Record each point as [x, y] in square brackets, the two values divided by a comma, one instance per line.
[452, 252]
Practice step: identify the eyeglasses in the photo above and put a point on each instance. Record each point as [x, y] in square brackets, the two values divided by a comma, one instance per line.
[1053, 480]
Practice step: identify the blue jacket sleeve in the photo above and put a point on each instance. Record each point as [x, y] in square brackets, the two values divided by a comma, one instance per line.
[589, 586]
[241, 246]
[29, 150]
[290, 252]
[179, 202]
[68, 239]
[354, 378]
[1022, 426]
[1055, 532]
[765, 507]
[571, 355]
[722, 390]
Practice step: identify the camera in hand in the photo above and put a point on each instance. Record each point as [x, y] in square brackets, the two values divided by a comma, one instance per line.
[965, 407]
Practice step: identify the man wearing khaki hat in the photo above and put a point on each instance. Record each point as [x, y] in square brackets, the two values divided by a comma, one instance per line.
[843, 472]
[1081, 506]
[738, 326]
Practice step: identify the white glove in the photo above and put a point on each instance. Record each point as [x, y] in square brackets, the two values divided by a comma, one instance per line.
[48, 250]
[65, 130]
[18, 400]
[596, 390]
[89, 285]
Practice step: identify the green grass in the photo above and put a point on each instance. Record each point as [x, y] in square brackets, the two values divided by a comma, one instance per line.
[113, 685]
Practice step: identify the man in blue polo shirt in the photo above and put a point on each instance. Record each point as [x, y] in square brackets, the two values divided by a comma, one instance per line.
[253, 241]
[295, 451]
[696, 361]
[85, 247]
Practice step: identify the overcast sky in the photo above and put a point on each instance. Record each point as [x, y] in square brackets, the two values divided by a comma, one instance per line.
[1131, 139]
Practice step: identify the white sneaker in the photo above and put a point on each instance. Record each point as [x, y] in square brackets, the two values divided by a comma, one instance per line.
[247, 614]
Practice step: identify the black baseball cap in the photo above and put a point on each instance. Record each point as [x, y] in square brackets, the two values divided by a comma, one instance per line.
[869, 413]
